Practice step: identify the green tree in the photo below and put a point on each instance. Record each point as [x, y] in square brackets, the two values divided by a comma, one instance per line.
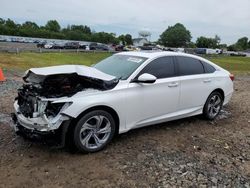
[128, 39]
[175, 36]
[81, 28]
[232, 47]
[77, 32]
[222, 46]
[242, 43]
[30, 25]
[2, 21]
[11, 27]
[103, 37]
[217, 40]
[28, 29]
[204, 42]
[3, 30]
[121, 39]
[74, 35]
[53, 25]
[11, 24]
[52, 30]
[191, 45]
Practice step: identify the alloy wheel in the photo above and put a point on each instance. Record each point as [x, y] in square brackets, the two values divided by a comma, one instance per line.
[214, 105]
[95, 132]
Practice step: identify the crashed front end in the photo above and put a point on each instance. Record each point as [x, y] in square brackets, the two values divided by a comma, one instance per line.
[37, 110]
[38, 118]
[38, 113]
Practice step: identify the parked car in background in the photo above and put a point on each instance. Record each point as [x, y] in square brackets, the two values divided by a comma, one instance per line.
[130, 48]
[180, 50]
[72, 45]
[49, 45]
[87, 47]
[92, 46]
[213, 51]
[59, 45]
[119, 48]
[240, 54]
[208, 51]
[41, 44]
[2, 39]
[29, 40]
[89, 105]
[101, 47]
[200, 50]
[82, 46]
[146, 47]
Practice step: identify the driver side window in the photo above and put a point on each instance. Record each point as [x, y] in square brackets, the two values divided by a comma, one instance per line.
[162, 67]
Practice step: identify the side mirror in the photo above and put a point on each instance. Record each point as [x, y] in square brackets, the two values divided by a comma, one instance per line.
[146, 78]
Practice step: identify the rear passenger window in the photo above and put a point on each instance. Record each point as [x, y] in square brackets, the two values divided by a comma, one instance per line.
[189, 66]
[208, 68]
[162, 67]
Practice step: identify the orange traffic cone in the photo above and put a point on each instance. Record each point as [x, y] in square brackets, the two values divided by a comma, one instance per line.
[2, 78]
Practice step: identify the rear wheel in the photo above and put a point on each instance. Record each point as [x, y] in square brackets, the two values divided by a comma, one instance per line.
[213, 105]
[94, 131]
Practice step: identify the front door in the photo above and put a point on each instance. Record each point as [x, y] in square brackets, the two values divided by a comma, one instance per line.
[149, 103]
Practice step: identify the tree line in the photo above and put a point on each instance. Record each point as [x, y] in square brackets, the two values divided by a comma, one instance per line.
[174, 36]
[179, 36]
[53, 30]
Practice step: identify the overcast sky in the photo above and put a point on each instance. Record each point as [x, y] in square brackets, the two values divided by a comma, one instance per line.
[230, 19]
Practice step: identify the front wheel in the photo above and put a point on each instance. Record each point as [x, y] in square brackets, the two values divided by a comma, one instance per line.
[213, 105]
[94, 131]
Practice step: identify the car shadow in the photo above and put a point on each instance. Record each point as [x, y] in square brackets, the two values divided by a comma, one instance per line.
[122, 139]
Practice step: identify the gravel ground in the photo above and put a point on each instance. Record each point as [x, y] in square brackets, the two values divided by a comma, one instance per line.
[186, 153]
[6, 46]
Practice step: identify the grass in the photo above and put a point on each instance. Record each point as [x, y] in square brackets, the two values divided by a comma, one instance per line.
[236, 65]
[24, 61]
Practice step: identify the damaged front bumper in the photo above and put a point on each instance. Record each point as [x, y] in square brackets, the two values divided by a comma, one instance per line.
[56, 137]
[51, 130]
[41, 123]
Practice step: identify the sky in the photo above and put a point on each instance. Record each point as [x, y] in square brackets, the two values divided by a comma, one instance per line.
[230, 19]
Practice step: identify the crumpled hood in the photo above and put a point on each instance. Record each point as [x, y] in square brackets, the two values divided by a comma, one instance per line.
[40, 73]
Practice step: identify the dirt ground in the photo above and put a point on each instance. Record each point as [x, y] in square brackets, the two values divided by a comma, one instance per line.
[186, 153]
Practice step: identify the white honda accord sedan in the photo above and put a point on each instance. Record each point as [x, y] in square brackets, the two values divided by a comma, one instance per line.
[87, 106]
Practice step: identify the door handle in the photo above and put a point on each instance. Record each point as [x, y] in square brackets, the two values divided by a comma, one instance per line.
[175, 84]
[207, 80]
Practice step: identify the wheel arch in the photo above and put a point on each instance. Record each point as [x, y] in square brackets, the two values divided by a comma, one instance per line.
[220, 91]
[68, 135]
[105, 108]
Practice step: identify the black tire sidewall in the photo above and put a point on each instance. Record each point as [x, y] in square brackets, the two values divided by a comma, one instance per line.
[205, 109]
[82, 120]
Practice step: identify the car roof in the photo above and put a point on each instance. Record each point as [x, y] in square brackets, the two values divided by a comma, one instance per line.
[154, 54]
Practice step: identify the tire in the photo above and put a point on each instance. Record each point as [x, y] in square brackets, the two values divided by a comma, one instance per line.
[94, 131]
[213, 105]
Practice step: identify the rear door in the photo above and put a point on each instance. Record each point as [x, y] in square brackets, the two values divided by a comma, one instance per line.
[195, 83]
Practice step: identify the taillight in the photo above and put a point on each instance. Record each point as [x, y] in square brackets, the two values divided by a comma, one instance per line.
[231, 77]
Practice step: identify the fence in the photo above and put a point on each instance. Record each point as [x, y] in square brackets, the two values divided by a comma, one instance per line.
[42, 50]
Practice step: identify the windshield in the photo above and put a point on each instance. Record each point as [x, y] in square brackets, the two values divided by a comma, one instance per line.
[120, 66]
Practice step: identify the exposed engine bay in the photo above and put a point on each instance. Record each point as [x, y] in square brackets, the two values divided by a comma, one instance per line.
[55, 86]
[36, 101]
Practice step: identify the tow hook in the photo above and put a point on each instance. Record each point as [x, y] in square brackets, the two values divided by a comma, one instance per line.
[14, 118]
